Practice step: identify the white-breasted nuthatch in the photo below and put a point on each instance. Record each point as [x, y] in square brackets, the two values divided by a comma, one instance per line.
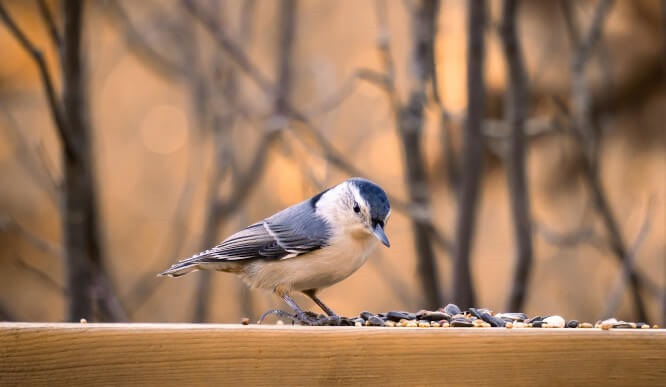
[306, 247]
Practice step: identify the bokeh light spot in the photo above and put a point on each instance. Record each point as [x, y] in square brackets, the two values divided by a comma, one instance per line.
[164, 129]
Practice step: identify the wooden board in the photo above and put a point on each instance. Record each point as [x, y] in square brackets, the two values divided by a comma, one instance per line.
[207, 354]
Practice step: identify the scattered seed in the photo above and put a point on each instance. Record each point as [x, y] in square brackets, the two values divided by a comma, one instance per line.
[585, 325]
[397, 316]
[534, 319]
[365, 315]
[512, 316]
[245, 321]
[555, 321]
[375, 321]
[452, 309]
[461, 323]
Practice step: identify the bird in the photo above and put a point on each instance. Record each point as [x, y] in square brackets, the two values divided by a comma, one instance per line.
[303, 248]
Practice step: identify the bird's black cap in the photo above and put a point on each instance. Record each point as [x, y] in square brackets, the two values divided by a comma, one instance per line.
[376, 198]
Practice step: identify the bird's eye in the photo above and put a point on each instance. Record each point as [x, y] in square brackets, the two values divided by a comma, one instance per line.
[357, 208]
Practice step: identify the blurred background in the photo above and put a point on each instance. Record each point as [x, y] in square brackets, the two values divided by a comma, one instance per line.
[522, 144]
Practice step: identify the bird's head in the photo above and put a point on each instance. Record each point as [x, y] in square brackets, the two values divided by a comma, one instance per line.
[357, 206]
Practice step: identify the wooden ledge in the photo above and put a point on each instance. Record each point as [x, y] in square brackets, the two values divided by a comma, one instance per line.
[200, 354]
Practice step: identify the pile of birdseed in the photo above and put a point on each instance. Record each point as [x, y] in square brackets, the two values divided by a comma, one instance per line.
[452, 316]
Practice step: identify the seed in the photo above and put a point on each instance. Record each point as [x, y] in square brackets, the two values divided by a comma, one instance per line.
[572, 324]
[365, 315]
[585, 325]
[623, 325]
[424, 324]
[389, 323]
[519, 324]
[477, 323]
[534, 319]
[492, 320]
[245, 321]
[555, 321]
[433, 316]
[411, 324]
[375, 321]
[461, 323]
[452, 309]
[435, 324]
[645, 326]
[512, 316]
[509, 325]
[445, 324]
[605, 326]
[397, 316]
[358, 324]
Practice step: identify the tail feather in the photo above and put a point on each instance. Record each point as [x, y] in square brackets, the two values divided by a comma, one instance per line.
[203, 260]
[179, 269]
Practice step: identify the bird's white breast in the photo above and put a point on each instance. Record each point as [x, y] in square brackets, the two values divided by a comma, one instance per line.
[318, 269]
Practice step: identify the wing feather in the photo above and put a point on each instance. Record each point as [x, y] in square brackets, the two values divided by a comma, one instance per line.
[289, 233]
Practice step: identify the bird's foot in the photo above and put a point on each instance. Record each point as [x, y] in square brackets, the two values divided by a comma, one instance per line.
[277, 312]
[313, 319]
[304, 318]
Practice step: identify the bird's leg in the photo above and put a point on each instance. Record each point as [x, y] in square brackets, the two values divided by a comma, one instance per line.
[312, 294]
[301, 315]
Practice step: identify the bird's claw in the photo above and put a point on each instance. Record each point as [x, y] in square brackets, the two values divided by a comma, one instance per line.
[304, 318]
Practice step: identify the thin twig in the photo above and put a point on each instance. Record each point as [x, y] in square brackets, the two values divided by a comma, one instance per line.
[139, 45]
[42, 276]
[47, 16]
[67, 139]
[9, 224]
[615, 295]
[589, 142]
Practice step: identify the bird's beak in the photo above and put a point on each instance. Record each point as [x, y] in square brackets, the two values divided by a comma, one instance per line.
[379, 233]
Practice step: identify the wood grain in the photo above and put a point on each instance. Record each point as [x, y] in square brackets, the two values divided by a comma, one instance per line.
[207, 354]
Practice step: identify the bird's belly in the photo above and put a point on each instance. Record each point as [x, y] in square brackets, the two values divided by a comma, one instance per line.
[318, 269]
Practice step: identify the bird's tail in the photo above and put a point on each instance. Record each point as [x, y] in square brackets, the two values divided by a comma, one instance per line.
[203, 260]
[180, 268]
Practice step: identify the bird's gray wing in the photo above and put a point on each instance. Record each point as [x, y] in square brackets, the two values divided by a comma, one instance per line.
[289, 233]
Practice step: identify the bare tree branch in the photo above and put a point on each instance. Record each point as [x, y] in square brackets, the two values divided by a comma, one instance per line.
[85, 270]
[410, 120]
[137, 43]
[54, 34]
[8, 224]
[589, 142]
[41, 276]
[517, 100]
[69, 144]
[472, 167]
[235, 52]
[615, 295]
